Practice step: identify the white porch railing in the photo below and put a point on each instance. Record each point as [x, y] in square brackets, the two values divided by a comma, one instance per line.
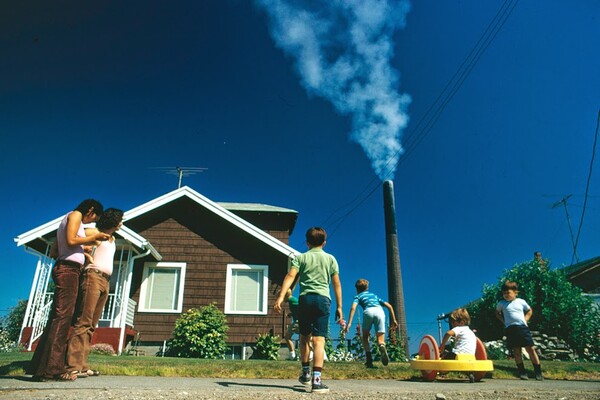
[108, 312]
[39, 322]
[131, 304]
[107, 317]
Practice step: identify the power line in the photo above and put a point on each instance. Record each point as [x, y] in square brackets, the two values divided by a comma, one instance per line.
[463, 72]
[431, 116]
[587, 188]
[573, 195]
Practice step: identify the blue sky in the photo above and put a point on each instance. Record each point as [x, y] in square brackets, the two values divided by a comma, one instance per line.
[94, 97]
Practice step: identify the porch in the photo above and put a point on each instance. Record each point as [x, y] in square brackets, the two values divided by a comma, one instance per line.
[110, 329]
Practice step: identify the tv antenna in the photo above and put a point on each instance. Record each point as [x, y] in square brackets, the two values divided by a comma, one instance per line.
[563, 201]
[180, 172]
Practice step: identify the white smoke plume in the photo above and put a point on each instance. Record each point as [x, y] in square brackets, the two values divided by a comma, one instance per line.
[342, 50]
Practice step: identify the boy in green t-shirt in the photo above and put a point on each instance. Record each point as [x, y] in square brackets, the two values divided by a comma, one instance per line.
[316, 270]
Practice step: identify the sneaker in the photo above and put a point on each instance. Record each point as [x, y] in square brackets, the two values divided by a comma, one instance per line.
[538, 376]
[305, 380]
[537, 369]
[319, 388]
[384, 355]
[370, 365]
[523, 376]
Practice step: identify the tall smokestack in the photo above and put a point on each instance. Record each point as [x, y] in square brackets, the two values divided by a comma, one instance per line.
[395, 292]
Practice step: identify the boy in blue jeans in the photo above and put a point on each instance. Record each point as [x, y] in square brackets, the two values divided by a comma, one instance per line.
[316, 270]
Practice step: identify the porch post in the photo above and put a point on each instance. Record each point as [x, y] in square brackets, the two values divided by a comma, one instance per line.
[125, 298]
[30, 304]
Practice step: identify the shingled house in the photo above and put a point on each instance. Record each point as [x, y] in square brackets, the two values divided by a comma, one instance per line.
[586, 275]
[176, 252]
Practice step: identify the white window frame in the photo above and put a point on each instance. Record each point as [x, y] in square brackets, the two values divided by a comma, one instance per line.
[145, 286]
[229, 283]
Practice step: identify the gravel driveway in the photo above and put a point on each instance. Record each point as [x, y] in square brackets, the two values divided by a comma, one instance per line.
[154, 388]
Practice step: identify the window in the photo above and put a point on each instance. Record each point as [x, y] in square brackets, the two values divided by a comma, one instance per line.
[236, 352]
[246, 289]
[162, 287]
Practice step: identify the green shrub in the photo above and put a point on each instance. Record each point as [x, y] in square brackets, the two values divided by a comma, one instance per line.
[267, 347]
[7, 345]
[496, 350]
[13, 322]
[395, 349]
[559, 309]
[355, 346]
[393, 346]
[199, 333]
[10, 328]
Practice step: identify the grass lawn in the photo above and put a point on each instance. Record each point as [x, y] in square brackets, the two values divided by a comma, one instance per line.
[14, 364]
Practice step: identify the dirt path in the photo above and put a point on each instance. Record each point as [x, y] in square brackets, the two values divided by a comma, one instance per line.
[155, 388]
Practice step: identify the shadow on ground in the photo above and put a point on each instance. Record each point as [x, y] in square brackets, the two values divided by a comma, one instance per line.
[297, 388]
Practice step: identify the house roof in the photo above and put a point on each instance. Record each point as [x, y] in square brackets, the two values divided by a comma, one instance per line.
[585, 274]
[582, 266]
[255, 207]
[38, 232]
[222, 210]
[32, 238]
[28, 238]
[138, 240]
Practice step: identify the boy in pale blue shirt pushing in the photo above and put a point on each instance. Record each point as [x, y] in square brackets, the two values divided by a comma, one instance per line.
[373, 315]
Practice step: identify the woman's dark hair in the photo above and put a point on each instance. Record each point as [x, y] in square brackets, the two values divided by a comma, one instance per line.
[88, 204]
[111, 218]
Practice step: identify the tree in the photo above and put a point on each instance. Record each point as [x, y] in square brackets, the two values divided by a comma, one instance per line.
[13, 322]
[10, 328]
[199, 333]
[559, 308]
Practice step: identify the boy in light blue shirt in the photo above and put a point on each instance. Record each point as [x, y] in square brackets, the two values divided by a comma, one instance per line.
[373, 315]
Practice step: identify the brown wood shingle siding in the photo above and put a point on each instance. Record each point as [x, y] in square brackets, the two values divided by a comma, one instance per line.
[206, 266]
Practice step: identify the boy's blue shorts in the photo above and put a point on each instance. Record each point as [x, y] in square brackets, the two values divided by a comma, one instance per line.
[313, 314]
[518, 336]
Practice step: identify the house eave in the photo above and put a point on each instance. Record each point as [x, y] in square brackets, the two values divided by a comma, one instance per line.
[38, 232]
[216, 209]
[42, 230]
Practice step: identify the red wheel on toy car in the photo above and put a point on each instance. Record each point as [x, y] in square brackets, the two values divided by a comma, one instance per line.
[428, 350]
[480, 354]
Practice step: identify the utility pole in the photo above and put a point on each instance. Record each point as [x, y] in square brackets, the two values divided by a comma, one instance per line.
[563, 201]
